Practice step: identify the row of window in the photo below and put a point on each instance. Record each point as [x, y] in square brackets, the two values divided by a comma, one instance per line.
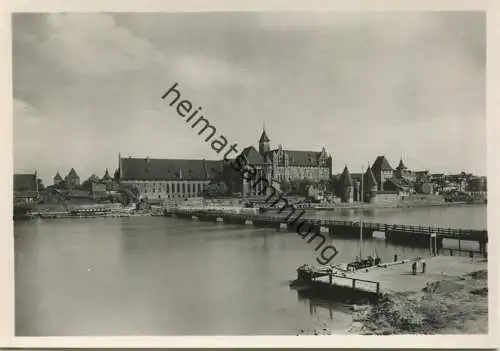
[302, 173]
[171, 188]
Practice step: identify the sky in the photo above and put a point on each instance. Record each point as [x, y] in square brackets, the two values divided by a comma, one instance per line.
[87, 87]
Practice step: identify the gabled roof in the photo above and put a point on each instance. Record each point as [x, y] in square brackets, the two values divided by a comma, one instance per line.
[168, 169]
[401, 166]
[253, 156]
[25, 182]
[345, 177]
[72, 174]
[297, 158]
[264, 138]
[381, 164]
[58, 176]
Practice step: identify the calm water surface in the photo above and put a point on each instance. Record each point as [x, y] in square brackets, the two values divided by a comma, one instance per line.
[165, 276]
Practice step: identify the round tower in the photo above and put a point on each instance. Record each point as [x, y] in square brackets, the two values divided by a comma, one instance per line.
[371, 188]
[347, 186]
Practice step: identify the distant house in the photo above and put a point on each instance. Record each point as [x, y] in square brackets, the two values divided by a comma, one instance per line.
[399, 185]
[382, 171]
[422, 176]
[25, 188]
[72, 179]
[98, 190]
[457, 182]
[437, 177]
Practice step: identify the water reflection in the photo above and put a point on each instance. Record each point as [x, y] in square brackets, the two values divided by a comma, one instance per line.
[164, 276]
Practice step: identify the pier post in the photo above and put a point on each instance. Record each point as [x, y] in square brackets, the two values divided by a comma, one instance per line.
[433, 244]
[482, 249]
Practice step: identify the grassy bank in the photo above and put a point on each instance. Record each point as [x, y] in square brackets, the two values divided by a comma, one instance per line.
[443, 307]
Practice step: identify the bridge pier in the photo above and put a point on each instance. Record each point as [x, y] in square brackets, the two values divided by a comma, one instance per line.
[352, 232]
[324, 229]
[413, 239]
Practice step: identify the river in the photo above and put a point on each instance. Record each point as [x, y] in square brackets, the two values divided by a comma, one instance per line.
[167, 276]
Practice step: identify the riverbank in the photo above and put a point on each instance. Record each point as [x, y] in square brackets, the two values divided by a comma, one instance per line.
[452, 305]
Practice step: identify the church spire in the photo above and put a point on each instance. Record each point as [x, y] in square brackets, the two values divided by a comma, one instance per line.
[264, 140]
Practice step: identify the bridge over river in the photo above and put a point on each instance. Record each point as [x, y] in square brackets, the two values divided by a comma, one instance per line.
[418, 235]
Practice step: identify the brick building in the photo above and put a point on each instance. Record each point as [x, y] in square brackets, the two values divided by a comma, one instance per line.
[161, 179]
[278, 165]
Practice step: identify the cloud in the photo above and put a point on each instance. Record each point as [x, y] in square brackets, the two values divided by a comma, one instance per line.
[204, 71]
[27, 124]
[25, 113]
[314, 79]
[92, 44]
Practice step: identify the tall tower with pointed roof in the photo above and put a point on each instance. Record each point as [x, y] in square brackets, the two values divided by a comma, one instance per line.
[57, 179]
[264, 143]
[369, 186]
[347, 190]
[403, 172]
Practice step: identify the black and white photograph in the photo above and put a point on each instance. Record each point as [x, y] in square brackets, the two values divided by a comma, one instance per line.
[230, 173]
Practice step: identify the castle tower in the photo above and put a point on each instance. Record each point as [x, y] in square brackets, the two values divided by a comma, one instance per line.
[57, 179]
[347, 186]
[401, 169]
[370, 186]
[264, 146]
[106, 176]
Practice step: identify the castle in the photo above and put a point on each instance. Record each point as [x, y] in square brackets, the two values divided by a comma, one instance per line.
[279, 165]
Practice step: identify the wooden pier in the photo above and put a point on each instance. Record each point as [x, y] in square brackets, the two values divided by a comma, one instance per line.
[385, 279]
[400, 234]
